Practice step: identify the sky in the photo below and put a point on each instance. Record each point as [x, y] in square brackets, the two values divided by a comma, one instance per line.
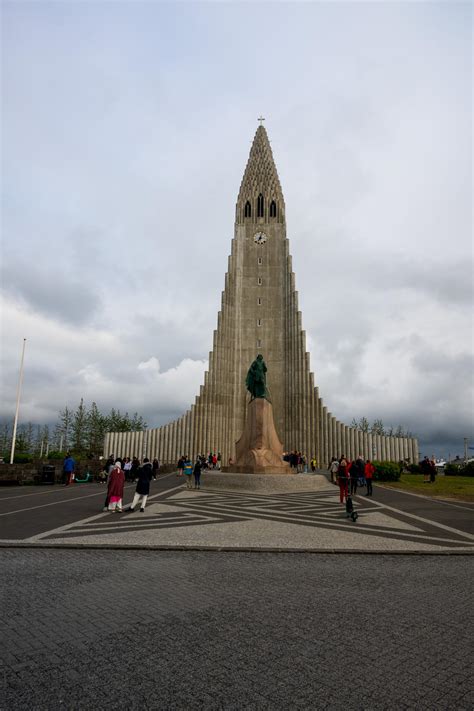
[125, 131]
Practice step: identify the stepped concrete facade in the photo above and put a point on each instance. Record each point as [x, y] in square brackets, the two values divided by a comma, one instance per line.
[259, 314]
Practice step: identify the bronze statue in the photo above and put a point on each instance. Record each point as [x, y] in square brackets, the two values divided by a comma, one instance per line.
[256, 379]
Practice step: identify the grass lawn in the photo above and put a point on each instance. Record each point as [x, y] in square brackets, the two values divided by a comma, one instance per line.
[445, 487]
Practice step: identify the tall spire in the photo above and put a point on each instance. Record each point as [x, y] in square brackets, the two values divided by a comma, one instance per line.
[260, 175]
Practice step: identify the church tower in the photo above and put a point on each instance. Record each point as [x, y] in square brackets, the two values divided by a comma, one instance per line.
[259, 314]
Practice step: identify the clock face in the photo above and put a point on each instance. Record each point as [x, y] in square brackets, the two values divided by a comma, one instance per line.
[260, 238]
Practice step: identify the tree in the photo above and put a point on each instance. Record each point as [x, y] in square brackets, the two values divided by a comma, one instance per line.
[25, 439]
[362, 424]
[377, 427]
[79, 428]
[96, 428]
[63, 430]
[6, 438]
[138, 423]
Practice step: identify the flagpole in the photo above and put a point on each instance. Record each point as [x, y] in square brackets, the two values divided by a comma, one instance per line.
[18, 393]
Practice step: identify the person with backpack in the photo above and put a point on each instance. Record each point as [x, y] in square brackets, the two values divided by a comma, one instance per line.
[333, 469]
[188, 472]
[342, 478]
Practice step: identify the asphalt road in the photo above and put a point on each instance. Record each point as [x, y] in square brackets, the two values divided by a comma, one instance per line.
[31, 510]
[102, 629]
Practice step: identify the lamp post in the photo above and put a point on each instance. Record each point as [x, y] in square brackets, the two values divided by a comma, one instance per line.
[18, 393]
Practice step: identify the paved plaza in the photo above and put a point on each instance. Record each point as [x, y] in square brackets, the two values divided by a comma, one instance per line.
[90, 629]
[390, 521]
[217, 599]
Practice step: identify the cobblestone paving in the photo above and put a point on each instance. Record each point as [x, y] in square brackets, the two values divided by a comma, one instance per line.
[300, 520]
[194, 630]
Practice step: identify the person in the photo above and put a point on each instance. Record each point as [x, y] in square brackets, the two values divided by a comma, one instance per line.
[313, 464]
[134, 468]
[369, 475]
[127, 469]
[342, 478]
[219, 459]
[68, 469]
[294, 460]
[109, 464]
[333, 469]
[425, 466]
[197, 474]
[357, 474]
[145, 475]
[188, 470]
[156, 468]
[115, 489]
[432, 469]
[180, 466]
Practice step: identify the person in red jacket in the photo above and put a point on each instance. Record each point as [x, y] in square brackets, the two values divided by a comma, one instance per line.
[369, 475]
[342, 478]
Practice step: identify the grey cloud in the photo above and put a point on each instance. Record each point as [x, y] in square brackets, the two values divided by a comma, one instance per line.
[52, 294]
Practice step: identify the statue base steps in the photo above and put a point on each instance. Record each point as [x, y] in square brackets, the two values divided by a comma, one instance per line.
[264, 483]
[259, 450]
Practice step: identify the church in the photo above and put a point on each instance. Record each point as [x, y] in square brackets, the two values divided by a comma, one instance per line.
[259, 314]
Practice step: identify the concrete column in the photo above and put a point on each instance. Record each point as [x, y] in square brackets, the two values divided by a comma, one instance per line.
[317, 420]
[212, 400]
[179, 444]
[397, 449]
[307, 408]
[325, 436]
[416, 453]
[365, 446]
[312, 408]
[335, 437]
[166, 457]
[301, 428]
[198, 421]
[406, 449]
[351, 444]
[370, 453]
[159, 444]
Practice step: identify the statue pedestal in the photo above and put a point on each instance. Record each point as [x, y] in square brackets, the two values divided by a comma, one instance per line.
[259, 451]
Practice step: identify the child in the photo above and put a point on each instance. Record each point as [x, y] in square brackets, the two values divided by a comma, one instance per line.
[188, 470]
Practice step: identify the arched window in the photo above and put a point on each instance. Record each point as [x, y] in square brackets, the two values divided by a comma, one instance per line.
[273, 209]
[247, 209]
[260, 205]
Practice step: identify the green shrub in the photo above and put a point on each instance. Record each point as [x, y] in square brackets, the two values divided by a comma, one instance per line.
[414, 469]
[386, 471]
[467, 469]
[56, 455]
[22, 458]
[452, 470]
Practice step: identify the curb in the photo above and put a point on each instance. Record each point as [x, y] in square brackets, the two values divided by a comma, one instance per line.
[228, 549]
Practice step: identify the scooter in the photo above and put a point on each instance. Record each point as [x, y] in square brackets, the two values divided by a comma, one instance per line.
[87, 477]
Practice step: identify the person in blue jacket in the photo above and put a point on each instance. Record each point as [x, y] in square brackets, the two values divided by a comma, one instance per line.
[68, 469]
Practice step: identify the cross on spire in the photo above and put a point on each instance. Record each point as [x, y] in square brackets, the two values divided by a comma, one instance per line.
[261, 120]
